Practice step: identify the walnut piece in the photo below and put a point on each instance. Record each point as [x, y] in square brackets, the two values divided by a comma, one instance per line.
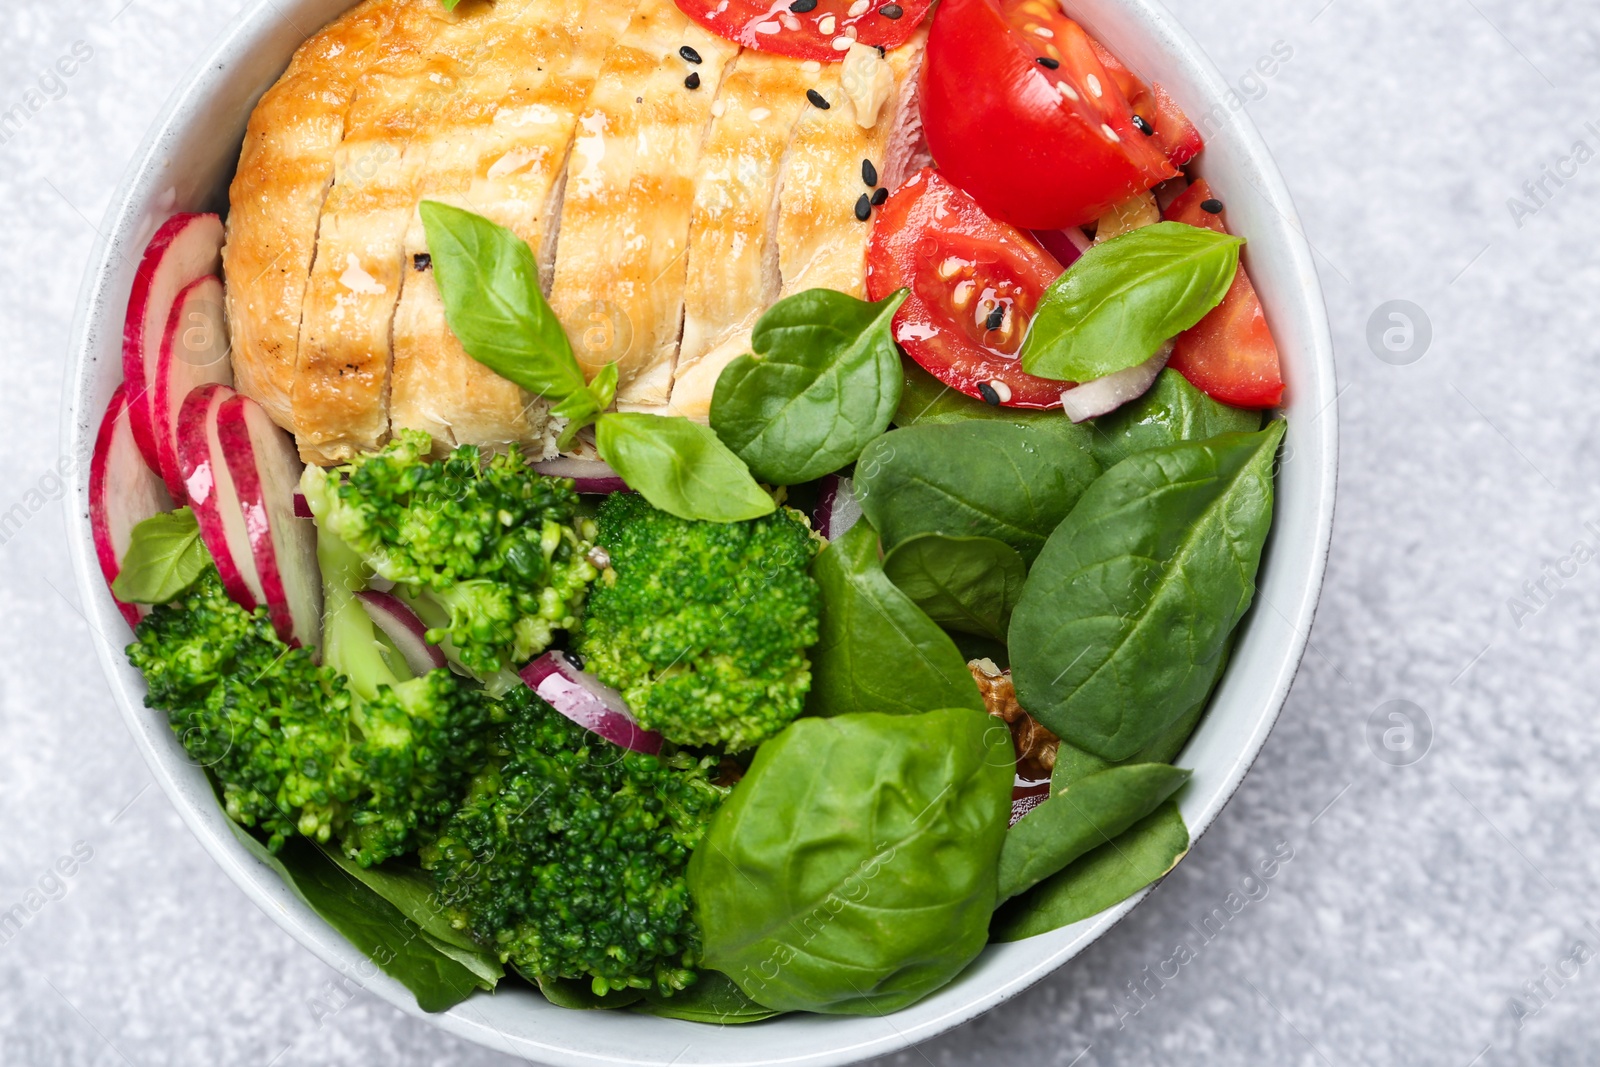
[1035, 745]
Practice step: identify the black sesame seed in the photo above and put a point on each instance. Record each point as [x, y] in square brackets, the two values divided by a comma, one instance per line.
[421, 261]
[800, 7]
[879, 196]
[891, 11]
[864, 207]
[996, 318]
[1212, 206]
[689, 54]
[882, 51]
[1047, 63]
[818, 99]
[990, 397]
[692, 81]
[1143, 126]
[869, 173]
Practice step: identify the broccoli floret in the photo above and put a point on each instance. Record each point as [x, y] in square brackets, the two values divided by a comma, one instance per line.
[294, 747]
[568, 855]
[704, 626]
[503, 551]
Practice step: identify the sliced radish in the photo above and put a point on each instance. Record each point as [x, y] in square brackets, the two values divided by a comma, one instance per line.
[194, 352]
[837, 507]
[185, 248]
[210, 490]
[123, 492]
[592, 476]
[1066, 245]
[1095, 398]
[400, 624]
[266, 468]
[583, 699]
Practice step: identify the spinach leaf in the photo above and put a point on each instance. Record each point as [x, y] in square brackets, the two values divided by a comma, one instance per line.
[823, 381]
[165, 555]
[972, 479]
[714, 998]
[1107, 876]
[926, 401]
[1075, 821]
[680, 467]
[878, 651]
[396, 945]
[1172, 411]
[862, 889]
[1127, 297]
[963, 583]
[580, 995]
[489, 284]
[1128, 608]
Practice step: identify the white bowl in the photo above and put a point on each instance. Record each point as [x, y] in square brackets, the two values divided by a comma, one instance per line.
[185, 164]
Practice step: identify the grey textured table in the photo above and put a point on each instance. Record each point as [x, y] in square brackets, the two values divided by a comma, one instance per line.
[1431, 913]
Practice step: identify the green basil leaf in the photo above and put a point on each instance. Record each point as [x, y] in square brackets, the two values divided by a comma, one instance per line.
[865, 888]
[580, 995]
[926, 401]
[1105, 877]
[413, 892]
[823, 381]
[878, 651]
[972, 479]
[681, 467]
[969, 584]
[395, 944]
[1075, 821]
[714, 998]
[1126, 298]
[1173, 411]
[489, 284]
[165, 555]
[1130, 605]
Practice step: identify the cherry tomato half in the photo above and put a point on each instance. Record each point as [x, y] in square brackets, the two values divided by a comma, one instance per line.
[1021, 113]
[822, 31]
[974, 286]
[1229, 355]
[1162, 116]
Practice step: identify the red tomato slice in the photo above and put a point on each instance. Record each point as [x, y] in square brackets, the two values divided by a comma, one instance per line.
[790, 28]
[965, 272]
[1020, 112]
[1173, 132]
[1229, 355]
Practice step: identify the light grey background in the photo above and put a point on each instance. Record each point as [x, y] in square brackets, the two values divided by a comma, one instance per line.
[1420, 901]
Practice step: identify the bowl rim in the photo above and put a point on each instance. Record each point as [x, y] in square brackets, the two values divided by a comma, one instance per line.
[1134, 28]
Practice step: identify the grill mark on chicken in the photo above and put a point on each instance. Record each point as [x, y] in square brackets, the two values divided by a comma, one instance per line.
[620, 262]
[732, 235]
[503, 160]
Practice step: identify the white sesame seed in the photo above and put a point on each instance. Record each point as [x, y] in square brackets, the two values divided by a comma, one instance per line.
[1109, 132]
[717, 108]
[859, 8]
[1001, 389]
[759, 113]
[1067, 91]
[825, 24]
[842, 44]
[1094, 85]
[811, 66]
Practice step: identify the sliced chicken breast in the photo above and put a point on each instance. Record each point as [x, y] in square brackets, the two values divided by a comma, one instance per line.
[822, 244]
[285, 170]
[733, 250]
[515, 113]
[622, 251]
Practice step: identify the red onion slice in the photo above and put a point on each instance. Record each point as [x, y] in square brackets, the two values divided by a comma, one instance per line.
[591, 476]
[1026, 795]
[400, 624]
[1095, 398]
[1066, 245]
[583, 699]
[837, 507]
[302, 507]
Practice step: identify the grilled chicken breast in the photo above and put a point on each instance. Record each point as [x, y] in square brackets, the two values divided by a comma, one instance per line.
[672, 187]
[514, 113]
[622, 253]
